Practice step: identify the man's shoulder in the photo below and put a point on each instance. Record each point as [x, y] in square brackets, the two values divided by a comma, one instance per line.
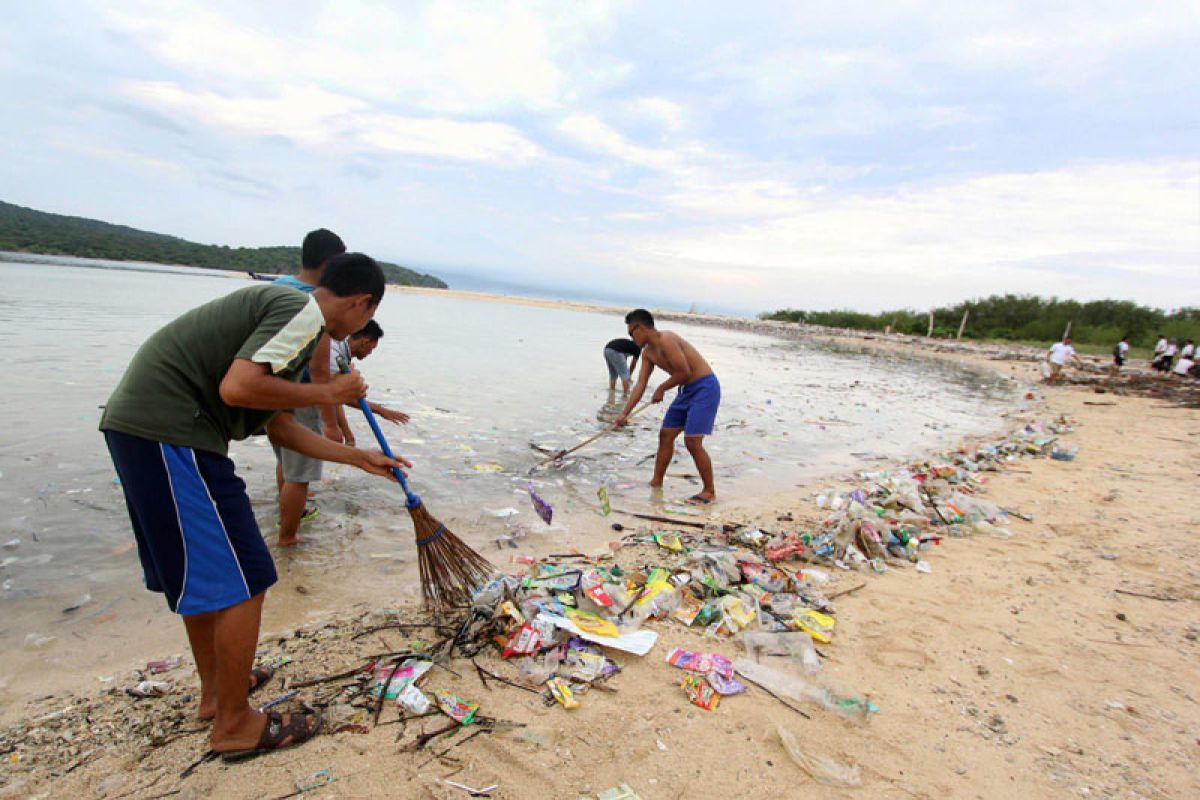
[291, 281]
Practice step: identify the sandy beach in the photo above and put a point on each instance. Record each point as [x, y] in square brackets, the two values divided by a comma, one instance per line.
[1061, 661]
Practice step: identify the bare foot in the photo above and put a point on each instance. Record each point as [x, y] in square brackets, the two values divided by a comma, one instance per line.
[656, 484]
[243, 734]
[259, 676]
[292, 542]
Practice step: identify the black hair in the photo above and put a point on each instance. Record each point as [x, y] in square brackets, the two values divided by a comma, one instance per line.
[320, 246]
[371, 330]
[640, 315]
[351, 274]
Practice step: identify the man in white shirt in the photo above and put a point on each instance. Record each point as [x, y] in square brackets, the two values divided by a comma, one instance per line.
[1168, 356]
[1189, 350]
[358, 345]
[1161, 360]
[1184, 366]
[1057, 357]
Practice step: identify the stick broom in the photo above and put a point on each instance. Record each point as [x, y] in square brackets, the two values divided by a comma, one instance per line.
[450, 569]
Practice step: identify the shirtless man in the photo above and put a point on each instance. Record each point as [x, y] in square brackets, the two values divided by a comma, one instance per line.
[694, 409]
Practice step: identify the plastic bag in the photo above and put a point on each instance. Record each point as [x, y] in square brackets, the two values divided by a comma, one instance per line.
[822, 769]
[798, 646]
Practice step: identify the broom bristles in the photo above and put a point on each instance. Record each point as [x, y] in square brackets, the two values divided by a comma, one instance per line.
[450, 569]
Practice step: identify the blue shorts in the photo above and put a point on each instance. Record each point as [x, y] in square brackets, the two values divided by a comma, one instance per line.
[695, 407]
[618, 364]
[196, 534]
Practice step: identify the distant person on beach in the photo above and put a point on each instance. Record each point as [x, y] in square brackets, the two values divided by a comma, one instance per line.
[295, 471]
[1120, 354]
[1188, 350]
[1057, 357]
[1183, 367]
[694, 410]
[220, 372]
[617, 355]
[1160, 347]
[359, 345]
[1167, 357]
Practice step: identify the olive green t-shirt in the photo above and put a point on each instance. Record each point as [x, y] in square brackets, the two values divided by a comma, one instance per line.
[171, 390]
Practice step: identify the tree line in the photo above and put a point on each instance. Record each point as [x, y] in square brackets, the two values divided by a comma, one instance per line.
[1017, 317]
[26, 230]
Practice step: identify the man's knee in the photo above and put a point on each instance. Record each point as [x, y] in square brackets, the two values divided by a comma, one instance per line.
[695, 444]
[667, 436]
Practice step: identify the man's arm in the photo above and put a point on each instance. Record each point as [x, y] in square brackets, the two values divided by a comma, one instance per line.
[639, 389]
[390, 414]
[318, 370]
[344, 424]
[676, 364]
[284, 431]
[633, 364]
[249, 384]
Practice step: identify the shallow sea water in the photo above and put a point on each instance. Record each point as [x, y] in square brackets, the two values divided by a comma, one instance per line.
[484, 382]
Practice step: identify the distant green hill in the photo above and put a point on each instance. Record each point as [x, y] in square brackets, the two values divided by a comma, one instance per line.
[27, 230]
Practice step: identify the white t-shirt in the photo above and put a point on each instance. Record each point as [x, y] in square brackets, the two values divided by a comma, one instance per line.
[1123, 348]
[338, 348]
[1160, 346]
[1060, 352]
[1171, 351]
[1183, 366]
[1188, 351]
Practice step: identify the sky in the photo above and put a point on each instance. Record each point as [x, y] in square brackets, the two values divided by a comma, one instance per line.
[735, 156]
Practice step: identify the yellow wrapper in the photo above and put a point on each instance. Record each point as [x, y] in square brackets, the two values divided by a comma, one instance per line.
[562, 693]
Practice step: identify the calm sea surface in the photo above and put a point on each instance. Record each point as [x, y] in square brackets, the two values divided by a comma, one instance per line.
[482, 381]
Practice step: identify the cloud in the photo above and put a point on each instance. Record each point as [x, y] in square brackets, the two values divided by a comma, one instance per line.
[594, 134]
[445, 57]
[913, 244]
[316, 118]
[666, 114]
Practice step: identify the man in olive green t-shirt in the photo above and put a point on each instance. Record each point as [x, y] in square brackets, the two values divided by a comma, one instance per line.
[220, 372]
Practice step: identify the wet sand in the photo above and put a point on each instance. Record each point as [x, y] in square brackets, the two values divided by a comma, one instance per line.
[1016, 668]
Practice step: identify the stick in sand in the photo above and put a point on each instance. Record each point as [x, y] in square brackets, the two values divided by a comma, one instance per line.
[449, 568]
[563, 453]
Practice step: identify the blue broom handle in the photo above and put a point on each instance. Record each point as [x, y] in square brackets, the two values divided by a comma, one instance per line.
[413, 500]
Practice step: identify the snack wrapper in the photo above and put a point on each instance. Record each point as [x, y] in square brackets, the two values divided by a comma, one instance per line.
[408, 672]
[591, 623]
[669, 540]
[524, 642]
[702, 663]
[510, 608]
[456, 708]
[562, 693]
[689, 609]
[817, 625]
[724, 685]
[700, 693]
[598, 596]
[605, 506]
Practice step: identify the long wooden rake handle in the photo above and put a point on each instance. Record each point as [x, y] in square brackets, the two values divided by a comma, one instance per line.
[585, 442]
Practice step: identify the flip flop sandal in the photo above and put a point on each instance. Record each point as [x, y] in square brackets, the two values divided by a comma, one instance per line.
[697, 500]
[278, 735]
[310, 512]
[259, 677]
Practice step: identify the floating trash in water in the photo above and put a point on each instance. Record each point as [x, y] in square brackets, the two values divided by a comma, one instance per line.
[543, 509]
